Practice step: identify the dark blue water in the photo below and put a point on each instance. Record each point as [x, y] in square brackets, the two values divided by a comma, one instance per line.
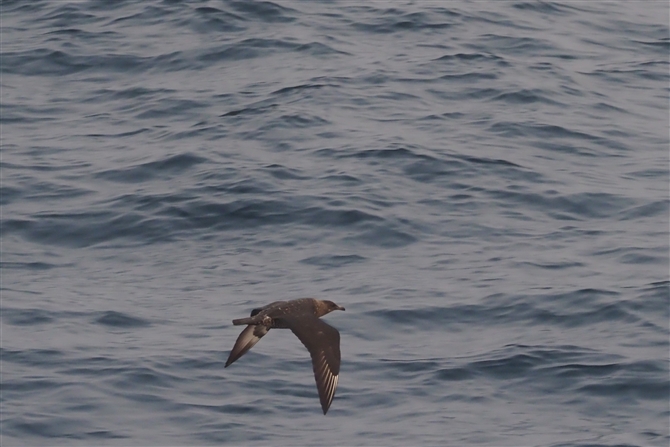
[483, 185]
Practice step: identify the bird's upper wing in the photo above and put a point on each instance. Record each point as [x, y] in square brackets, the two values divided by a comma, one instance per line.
[260, 309]
[247, 339]
[323, 343]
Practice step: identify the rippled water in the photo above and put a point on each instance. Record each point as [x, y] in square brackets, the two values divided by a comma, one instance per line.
[483, 185]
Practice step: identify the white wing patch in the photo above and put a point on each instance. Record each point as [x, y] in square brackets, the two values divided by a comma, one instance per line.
[326, 381]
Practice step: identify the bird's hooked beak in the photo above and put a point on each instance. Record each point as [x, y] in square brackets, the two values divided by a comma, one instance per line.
[339, 308]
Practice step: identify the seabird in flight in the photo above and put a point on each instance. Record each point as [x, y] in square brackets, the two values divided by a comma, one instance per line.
[302, 318]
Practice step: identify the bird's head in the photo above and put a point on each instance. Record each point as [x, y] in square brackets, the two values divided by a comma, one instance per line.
[325, 307]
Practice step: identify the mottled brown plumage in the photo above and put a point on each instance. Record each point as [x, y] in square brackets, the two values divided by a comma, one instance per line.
[302, 318]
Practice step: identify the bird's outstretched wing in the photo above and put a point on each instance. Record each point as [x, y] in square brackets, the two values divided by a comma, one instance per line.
[323, 343]
[247, 339]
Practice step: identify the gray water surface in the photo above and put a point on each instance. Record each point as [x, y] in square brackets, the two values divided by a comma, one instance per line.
[483, 185]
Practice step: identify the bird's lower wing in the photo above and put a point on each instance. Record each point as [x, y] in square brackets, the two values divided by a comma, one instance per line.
[247, 339]
[323, 343]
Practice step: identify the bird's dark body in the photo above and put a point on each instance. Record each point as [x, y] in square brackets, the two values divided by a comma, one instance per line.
[302, 317]
[271, 315]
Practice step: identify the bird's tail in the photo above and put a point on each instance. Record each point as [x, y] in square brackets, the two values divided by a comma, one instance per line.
[242, 321]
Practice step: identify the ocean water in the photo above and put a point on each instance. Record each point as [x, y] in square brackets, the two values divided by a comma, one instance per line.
[483, 185]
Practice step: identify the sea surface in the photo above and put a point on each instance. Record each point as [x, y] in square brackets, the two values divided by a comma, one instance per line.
[482, 184]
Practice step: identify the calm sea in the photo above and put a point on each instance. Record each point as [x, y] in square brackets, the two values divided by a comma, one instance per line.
[482, 184]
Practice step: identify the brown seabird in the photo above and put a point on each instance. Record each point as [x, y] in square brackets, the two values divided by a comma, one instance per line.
[302, 318]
